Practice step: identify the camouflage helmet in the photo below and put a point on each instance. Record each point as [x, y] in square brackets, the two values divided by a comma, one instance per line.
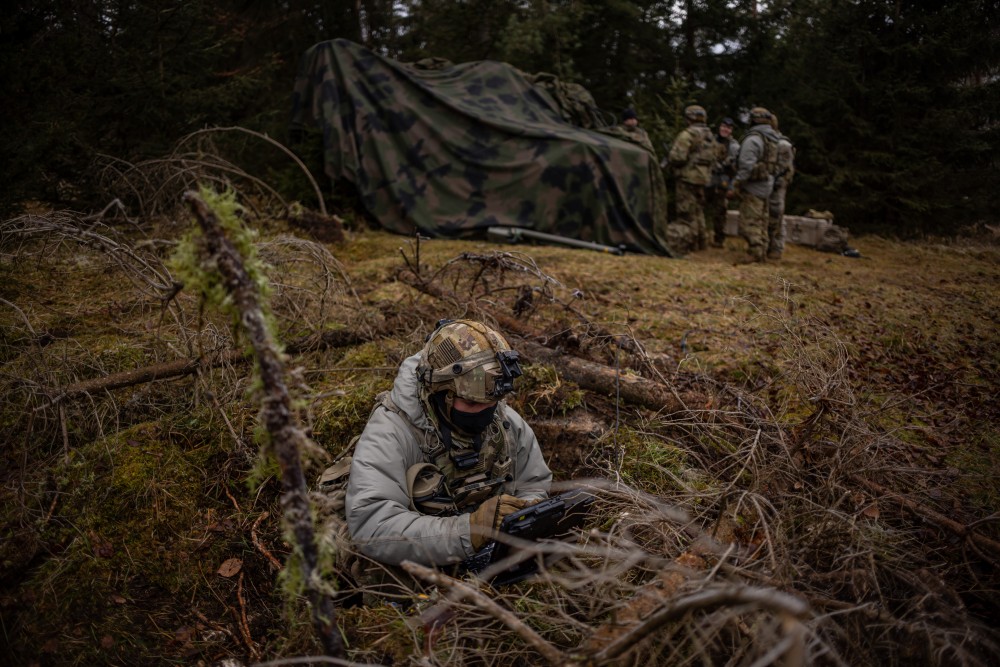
[469, 360]
[759, 115]
[774, 122]
[695, 113]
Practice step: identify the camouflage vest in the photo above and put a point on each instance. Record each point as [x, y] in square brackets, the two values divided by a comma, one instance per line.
[767, 165]
[701, 156]
[785, 159]
[450, 480]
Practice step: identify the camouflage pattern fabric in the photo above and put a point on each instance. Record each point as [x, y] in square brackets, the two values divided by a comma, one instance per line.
[451, 149]
[724, 152]
[576, 104]
[775, 215]
[753, 225]
[691, 211]
[636, 135]
[693, 153]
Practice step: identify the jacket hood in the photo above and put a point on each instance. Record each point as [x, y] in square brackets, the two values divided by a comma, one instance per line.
[406, 393]
[766, 130]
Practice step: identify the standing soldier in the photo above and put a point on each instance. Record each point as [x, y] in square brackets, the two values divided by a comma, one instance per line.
[756, 167]
[776, 202]
[630, 125]
[727, 150]
[691, 156]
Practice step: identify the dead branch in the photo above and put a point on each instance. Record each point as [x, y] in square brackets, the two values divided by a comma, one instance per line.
[244, 624]
[183, 367]
[281, 147]
[771, 600]
[605, 380]
[163, 371]
[287, 437]
[275, 564]
[934, 517]
[463, 591]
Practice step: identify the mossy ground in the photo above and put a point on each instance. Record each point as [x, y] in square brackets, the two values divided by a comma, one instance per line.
[115, 526]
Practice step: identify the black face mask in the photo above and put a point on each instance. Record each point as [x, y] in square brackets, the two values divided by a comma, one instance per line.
[472, 423]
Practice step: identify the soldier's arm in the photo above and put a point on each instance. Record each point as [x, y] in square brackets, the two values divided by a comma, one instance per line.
[681, 149]
[749, 155]
[532, 476]
[379, 517]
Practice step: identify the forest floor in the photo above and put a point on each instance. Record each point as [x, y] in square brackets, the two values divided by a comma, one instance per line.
[835, 441]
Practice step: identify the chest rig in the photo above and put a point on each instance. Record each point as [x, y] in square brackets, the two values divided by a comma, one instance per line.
[455, 479]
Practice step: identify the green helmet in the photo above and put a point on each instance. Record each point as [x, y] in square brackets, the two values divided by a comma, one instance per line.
[759, 115]
[695, 113]
[469, 360]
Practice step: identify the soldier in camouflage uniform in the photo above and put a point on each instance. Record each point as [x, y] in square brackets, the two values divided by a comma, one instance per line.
[776, 202]
[630, 123]
[443, 459]
[727, 150]
[691, 157]
[756, 167]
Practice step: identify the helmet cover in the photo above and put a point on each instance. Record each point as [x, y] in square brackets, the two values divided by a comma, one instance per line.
[470, 360]
[695, 113]
[760, 115]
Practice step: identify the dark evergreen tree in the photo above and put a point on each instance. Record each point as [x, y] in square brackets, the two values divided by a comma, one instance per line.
[893, 107]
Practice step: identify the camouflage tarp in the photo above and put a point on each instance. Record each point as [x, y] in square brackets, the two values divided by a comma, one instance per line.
[455, 148]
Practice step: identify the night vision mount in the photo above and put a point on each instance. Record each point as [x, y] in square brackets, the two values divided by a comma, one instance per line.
[510, 368]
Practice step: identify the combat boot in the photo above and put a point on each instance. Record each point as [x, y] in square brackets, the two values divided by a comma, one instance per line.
[774, 255]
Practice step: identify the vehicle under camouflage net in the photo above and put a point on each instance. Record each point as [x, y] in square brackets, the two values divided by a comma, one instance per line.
[453, 149]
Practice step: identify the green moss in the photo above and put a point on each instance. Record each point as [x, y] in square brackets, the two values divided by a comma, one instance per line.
[540, 391]
[338, 419]
[649, 463]
[191, 264]
[368, 355]
[133, 518]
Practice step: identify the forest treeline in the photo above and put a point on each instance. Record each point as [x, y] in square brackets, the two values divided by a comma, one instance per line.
[894, 105]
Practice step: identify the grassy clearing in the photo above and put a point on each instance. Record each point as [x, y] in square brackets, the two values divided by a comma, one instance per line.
[822, 372]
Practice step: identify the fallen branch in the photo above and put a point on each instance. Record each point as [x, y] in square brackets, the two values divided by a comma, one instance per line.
[936, 518]
[169, 370]
[287, 437]
[460, 590]
[605, 380]
[785, 605]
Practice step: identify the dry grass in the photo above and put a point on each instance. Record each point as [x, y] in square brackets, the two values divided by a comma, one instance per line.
[836, 389]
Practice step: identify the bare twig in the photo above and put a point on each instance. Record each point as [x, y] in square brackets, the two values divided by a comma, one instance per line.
[771, 600]
[463, 591]
[274, 562]
[244, 625]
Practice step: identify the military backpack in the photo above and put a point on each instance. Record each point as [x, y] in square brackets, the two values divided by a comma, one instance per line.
[768, 164]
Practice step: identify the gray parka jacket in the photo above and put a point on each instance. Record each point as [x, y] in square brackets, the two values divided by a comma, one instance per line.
[378, 504]
[752, 151]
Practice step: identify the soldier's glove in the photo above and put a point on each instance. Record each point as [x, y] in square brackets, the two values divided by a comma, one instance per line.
[484, 522]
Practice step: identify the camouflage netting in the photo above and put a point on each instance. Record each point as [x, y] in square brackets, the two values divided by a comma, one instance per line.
[451, 149]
